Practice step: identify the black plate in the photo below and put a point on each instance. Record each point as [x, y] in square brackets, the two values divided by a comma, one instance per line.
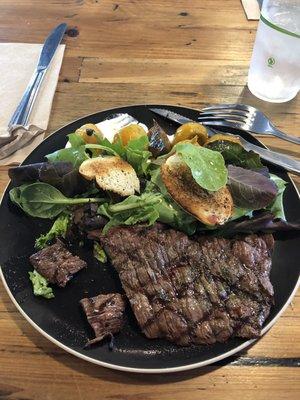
[61, 319]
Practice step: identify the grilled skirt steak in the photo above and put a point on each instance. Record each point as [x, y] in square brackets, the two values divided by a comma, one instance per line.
[56, 263]
[105, 314]
[198, 290]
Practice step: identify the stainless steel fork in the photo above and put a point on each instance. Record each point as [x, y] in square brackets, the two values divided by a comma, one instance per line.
[243, 117]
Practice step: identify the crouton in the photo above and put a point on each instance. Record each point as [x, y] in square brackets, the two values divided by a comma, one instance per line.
[111, 173]
[211, 208]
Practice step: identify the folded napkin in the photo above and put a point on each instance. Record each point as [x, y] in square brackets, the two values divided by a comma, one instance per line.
[251, 8]
[17, 64]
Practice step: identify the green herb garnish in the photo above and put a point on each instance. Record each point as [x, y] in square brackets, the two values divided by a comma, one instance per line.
[99, 253]
[59, 228]
[40, 285]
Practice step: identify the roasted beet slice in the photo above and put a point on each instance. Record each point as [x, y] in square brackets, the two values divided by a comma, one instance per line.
[159, 142]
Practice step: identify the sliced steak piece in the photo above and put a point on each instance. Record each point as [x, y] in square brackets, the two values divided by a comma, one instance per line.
[193, 290]
[56, 263]
[105, 313]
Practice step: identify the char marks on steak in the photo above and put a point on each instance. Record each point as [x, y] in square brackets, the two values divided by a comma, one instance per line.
[105, 314]
[198, 290]
[56, 263]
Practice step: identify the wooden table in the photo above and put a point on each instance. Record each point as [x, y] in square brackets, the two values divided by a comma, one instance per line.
[119, 52]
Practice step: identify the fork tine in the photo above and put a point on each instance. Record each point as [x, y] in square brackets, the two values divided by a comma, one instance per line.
[217, 107]
[227, 124]
[222, 118]
[223, 113]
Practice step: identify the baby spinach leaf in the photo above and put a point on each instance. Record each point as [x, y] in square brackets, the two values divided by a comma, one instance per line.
[250, 189]
[40, 285]
[43, 200]
[15, 195]
[235, 154]
[207, 166]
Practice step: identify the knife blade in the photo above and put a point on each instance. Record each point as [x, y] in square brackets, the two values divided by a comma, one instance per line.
[287, 163]
[50, 46]
[22, 112]
[171, 115]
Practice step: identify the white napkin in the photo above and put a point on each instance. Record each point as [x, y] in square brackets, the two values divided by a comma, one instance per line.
[17, 64]
[251, 8]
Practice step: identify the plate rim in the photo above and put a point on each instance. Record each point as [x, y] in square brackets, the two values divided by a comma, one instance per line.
[186, 367]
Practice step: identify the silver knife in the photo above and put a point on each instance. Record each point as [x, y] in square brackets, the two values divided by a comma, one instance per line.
[21, 115]
[289, 164]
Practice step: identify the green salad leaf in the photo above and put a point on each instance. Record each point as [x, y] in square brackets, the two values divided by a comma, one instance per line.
[276, 207]
[15, 194]
[99, 253]
[75, 154]
[207, 166]
[101, 147]
[40, 285]
[132, 210]
[137, 154]
[61, 175]
[75, 140]
[44, 201]
[239, 212]
[156, 181]
[234, 153]
[59, 228]
[169, 211]
[172, 214]
[116, 146]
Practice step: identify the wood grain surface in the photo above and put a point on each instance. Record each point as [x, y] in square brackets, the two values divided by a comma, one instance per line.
[184, 52]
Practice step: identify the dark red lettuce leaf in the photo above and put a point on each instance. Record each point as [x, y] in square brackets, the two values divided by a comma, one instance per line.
[250, 189]
[264, 171]
[61, 175]
[262, 221]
